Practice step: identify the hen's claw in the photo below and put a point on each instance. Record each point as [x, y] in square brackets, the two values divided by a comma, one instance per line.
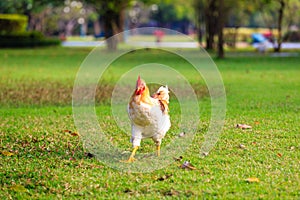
[130, 160]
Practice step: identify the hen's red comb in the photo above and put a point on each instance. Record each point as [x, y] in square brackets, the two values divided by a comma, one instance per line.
[138, 82]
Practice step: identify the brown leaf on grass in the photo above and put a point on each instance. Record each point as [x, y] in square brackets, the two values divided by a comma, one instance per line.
[187, 165]
[243, 126]
[128, 190]
[89, 155]
[279, 155]
[7, 153]
[182, 134]
[204, 154]
[171, 192]
[164, 177]
[178, 159]
[252, 180]
[71, 132]
[75, 134]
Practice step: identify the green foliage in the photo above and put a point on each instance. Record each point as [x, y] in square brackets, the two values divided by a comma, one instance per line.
[26, 6]
[27, 39]
[15, 6]
[103, 6]
[12, 23]
[170, 11]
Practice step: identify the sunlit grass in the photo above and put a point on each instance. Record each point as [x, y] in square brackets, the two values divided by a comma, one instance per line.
[49, 162]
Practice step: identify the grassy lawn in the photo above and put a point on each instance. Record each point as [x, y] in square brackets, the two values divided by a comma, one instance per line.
[42, 157]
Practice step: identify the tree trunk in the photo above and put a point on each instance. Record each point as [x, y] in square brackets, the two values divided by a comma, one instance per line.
[69, 27]
[109, 20]
[210, 21]
[121, 22]
[199, 34]
[114, 20]
[97, 28]
[280, 18]
[220, 29]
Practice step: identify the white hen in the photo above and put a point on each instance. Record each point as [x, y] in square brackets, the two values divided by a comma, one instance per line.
[148, 115]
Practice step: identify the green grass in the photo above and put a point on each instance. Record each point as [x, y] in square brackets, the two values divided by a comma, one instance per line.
[48, 162]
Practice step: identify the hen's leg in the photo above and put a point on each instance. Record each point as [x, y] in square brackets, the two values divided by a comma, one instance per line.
[131, 157]
[158, 150]
[158, 143]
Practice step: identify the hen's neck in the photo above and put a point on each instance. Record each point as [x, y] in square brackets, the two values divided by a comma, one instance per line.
[144, 97]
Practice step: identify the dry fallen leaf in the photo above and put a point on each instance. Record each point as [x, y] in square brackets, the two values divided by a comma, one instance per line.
[279, 155]
[187, 165]
[172, 193]
[178, 159]
[75, 134]
[164, 177]
[89, 155]
[182, 134]
[252, 180]
[71, 133]
[204, 153]
[7, 153]
[243, 126]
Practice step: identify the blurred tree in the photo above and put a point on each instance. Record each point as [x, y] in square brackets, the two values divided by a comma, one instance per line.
[211, 17]
[215, 16]
[279, 26]
[238, 16]
[16, 6]
[167, 12]
[30, 8]
[199, 7]
[272, 12]
[63, 20]
[221, 24]
[40, 10]
[292, 17]
[113, 15]
[164, 14]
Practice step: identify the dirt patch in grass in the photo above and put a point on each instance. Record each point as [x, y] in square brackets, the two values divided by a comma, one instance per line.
[41, 93]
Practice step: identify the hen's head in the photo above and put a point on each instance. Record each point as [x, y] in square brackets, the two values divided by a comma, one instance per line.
[140, 86]
[162, 93]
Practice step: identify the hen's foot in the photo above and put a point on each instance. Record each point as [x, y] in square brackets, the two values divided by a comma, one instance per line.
[130, 160]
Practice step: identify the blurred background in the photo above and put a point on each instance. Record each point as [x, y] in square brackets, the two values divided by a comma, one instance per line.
[215, 24]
